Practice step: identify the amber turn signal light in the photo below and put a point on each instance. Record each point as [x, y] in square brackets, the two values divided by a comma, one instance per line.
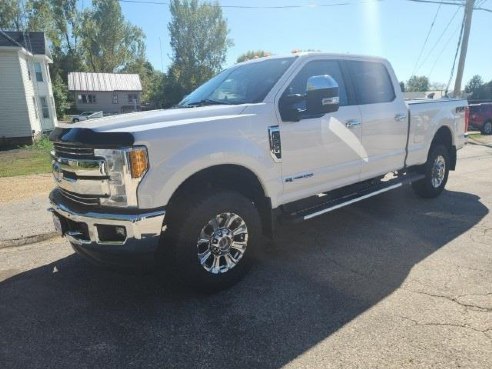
[138, 162]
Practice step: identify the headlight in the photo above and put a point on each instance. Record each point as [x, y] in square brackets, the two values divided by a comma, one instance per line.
[125, 168]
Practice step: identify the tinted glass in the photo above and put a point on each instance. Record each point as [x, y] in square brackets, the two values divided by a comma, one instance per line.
[318, 68]
[372, 82]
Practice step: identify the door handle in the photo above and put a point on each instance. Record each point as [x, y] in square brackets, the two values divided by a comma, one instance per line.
[352, 123]
[400, 117]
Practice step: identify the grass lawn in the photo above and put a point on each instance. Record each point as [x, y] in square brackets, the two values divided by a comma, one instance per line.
[33, 159]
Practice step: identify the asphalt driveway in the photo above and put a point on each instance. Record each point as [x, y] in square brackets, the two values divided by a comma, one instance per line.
[394, 281]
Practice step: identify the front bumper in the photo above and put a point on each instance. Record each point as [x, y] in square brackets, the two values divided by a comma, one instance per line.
[82, 227]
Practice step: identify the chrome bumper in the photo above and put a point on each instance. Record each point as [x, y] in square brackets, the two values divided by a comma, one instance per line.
[142, 230]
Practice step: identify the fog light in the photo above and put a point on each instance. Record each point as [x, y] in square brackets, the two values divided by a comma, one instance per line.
[120, 231]
[109, 233]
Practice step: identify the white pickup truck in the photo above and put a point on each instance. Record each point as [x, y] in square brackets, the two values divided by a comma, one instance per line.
[196, 188]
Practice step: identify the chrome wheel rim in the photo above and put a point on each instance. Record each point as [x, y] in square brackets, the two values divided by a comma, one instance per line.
[222, 243]
[438, 171]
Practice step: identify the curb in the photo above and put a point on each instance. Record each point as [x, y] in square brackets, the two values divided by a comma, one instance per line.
[28, 240]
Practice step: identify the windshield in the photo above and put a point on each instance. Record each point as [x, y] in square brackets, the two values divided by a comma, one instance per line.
[248, 83]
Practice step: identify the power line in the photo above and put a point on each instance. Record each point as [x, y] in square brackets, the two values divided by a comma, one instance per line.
[442, 50]
[249, 6]
[156, 2]
[439, 39]
[426, 39]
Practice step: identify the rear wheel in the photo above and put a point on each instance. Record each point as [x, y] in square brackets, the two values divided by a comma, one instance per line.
[212, 243]
[75, 120]
[436, 171]
[487, 128]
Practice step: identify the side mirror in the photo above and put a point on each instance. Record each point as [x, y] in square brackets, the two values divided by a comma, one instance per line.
[322, 95]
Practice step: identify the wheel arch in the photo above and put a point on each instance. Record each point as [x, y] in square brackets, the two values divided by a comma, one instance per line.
[444, 136]
[225, 177]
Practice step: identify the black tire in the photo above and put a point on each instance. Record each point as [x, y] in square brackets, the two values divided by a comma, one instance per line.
[487, 128]
[75, 120]
[426, 187]
[180, 246]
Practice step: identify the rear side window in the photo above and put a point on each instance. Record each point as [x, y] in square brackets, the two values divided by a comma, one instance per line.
[372, 82]
[318, 68]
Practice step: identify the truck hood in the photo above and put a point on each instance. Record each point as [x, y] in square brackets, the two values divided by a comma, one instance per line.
[136, 122]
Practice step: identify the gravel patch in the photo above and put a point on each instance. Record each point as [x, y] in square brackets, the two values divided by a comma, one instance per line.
[20, 188]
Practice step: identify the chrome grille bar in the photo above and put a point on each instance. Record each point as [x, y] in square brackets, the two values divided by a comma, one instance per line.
[70, 150]
[83, 167]
[81, 199]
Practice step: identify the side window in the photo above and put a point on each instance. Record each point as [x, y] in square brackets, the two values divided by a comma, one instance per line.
[39, 73]
[372, 82]
[318, 68]
[44, 107]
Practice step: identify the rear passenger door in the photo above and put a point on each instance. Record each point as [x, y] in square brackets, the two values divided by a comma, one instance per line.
[384, 116]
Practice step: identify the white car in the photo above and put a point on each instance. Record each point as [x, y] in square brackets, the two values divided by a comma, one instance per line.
[278, 139]
[87, 115]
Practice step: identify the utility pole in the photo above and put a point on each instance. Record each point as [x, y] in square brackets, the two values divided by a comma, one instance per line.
[464, 46]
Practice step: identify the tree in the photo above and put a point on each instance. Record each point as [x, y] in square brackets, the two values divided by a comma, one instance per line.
[417, 84]
[11, 16]
[252, 54]
[199, 43]
[437, 86]
[482, 93]
[109, 42]
[474, 85]
[152, 81]
[60, 94]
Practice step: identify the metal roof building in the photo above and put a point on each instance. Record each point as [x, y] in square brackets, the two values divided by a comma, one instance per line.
[111, 93]
[82, 81]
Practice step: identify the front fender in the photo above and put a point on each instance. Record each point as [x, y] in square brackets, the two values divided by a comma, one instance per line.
[164, 177]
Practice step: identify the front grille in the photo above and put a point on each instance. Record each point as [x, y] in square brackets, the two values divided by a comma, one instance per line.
[72, 151]
[81, 199]
[80, 174]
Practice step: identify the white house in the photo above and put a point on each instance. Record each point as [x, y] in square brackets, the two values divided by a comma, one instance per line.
[27, 107]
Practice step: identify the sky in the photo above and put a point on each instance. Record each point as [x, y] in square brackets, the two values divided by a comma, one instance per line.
[393, 29]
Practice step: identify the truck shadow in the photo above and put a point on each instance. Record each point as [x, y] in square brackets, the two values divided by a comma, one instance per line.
[319, 276]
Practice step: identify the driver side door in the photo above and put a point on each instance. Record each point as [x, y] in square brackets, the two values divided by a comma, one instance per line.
[320, 153]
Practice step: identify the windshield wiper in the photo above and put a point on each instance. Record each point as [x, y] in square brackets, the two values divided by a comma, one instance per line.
[206, 102]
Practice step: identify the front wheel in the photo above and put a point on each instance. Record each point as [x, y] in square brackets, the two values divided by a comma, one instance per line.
[487, 128]
[436, 171]
[212, 243]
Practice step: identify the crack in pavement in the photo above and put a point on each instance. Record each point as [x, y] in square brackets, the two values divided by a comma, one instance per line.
[433, 324]
[456, 299]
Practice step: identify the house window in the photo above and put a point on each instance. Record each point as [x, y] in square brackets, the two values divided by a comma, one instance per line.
[115, 98]
[44, 107]
[35, 107]
[132, 98]
[39, 73]
[87, 99]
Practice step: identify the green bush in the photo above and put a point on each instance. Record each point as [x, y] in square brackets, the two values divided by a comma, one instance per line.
[41, 144]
